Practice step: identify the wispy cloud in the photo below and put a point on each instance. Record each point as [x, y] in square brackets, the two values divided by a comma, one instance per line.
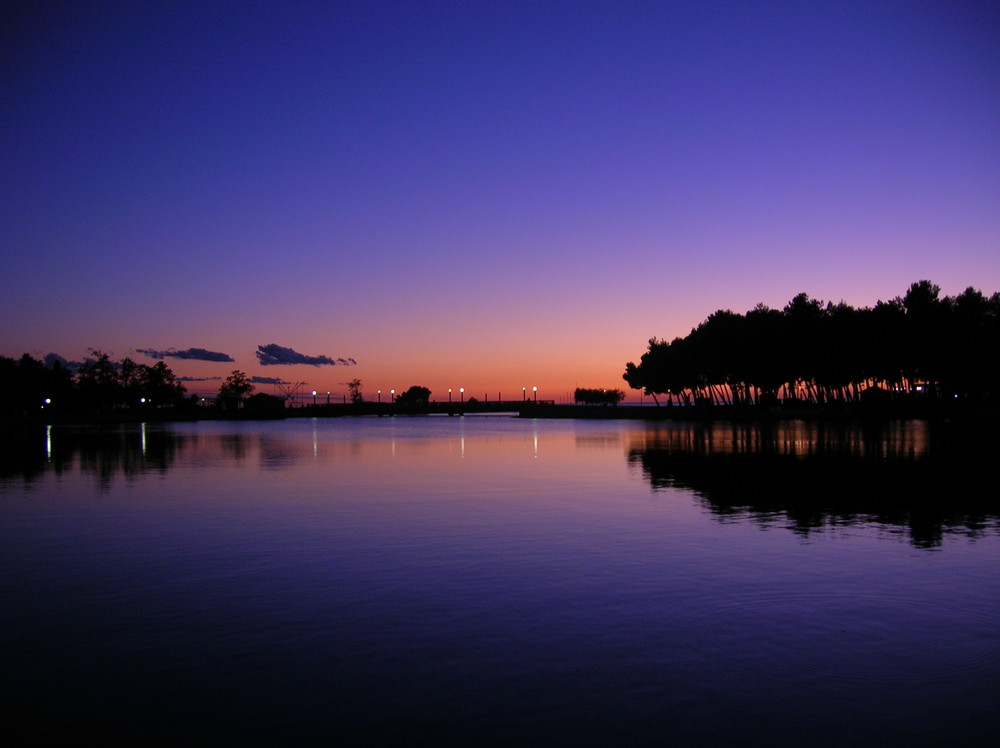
[198, 379]
[52, 358]
[274, 354]
[268, 380]
[195, 354]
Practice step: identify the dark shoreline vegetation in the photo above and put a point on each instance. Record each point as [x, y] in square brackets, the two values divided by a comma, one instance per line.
[918, 349]
[920, 355]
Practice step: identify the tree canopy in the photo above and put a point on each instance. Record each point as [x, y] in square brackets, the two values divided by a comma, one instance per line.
[416, 395]
[822, 353]
[235, 389]
[27, 383]
[354, 387]
[598, 396]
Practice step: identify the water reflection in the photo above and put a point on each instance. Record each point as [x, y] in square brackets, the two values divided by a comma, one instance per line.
[103, 452]
[922, 479]
[908, 474]
[484, 581]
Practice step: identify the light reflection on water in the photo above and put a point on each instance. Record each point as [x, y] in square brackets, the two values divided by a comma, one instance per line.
[497, 580]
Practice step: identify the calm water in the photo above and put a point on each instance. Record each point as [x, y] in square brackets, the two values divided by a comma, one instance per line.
[501, 581]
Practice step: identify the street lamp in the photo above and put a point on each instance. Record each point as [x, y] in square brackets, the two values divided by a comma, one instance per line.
[314, 397]
[392, 396]
[380, 397]
[524, 394]
[461, 391]
[327, 397]
[535, 390]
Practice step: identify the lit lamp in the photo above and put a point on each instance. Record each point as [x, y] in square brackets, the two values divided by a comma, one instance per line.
[314, 397]
[461, 391]
[535, 390]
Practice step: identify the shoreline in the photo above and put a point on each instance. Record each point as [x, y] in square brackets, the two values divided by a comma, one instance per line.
[548, 410]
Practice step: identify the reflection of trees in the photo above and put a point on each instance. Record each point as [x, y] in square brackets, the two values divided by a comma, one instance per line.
[105, 452]
[129, 450]
[234, 446]
[929, 480]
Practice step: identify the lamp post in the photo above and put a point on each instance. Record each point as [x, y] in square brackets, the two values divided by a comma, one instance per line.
[461, 392]
[380, 397]
[524, 394]
[535, 390]
[392, 396]
[328, 397]
[449, 395]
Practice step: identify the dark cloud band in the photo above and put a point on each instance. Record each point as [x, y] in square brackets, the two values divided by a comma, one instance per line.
[194, 354]
[274, 354]
[268, 380]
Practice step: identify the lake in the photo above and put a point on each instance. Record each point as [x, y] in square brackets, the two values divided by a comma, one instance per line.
[497, 581]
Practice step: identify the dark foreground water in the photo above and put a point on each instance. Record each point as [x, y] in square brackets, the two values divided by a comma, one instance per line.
[499, 581]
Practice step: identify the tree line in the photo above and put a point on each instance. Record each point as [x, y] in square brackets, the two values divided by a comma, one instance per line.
[917, 345]
[590, 396]
[100, 383]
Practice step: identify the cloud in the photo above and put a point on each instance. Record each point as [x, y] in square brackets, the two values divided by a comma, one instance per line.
[268, 380]
[196, 354]
[197, 379]
[51, 358]
[274, 354]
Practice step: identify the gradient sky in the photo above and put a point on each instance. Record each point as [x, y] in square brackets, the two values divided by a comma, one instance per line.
[480, 194]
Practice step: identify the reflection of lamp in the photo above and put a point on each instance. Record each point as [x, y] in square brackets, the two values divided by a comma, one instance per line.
[535, 390]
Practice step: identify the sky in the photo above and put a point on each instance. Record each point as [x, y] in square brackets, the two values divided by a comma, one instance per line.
[488, 195]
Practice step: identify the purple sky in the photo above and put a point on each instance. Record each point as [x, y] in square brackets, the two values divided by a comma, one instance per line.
[488, 195]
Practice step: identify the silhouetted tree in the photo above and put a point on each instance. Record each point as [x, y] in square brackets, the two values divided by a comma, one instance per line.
[159, 384]
[98, 382]
[598, 396]
[830, 353]
[27, 383]
[416, 395]
[354, 387]
[130, 377]
[234, 390]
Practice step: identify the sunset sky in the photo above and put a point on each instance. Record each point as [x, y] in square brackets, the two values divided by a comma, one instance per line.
[489, 195]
